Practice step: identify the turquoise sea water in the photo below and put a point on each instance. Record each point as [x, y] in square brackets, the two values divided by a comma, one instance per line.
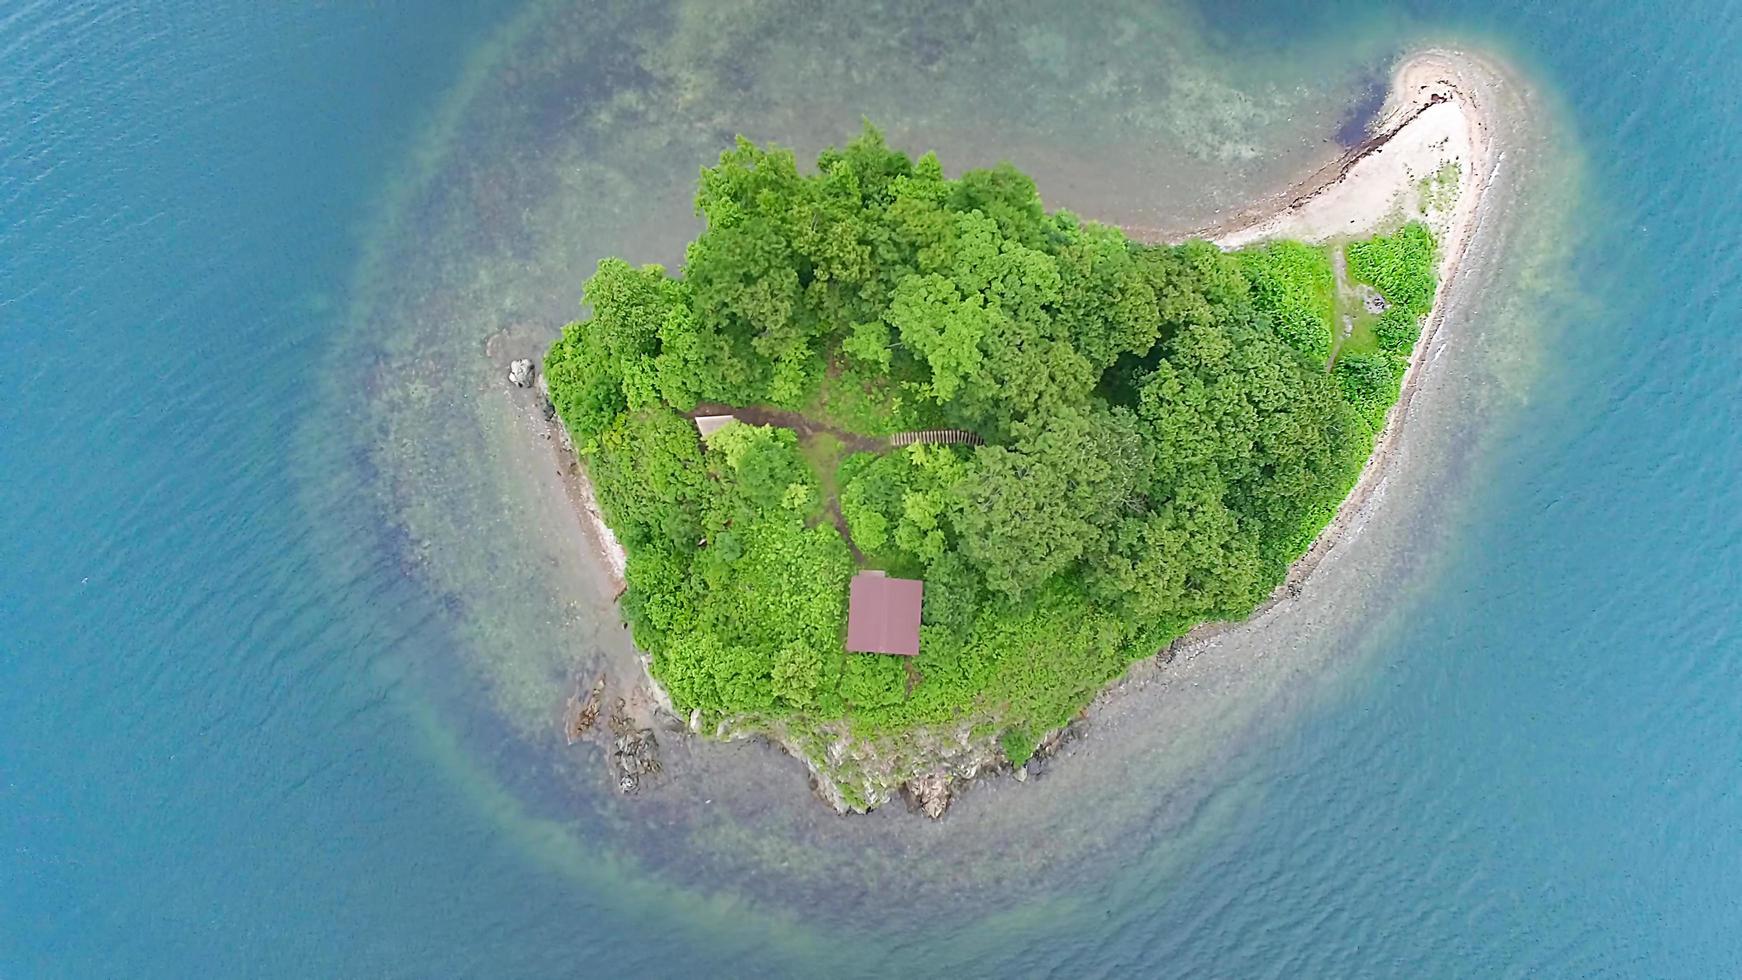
[279, 654]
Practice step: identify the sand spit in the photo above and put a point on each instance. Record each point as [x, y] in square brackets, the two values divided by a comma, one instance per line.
[1435, 115]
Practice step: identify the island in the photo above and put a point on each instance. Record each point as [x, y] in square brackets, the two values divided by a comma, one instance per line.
[901, 470]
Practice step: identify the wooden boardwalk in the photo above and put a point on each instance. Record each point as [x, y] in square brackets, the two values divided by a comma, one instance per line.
[943, 437]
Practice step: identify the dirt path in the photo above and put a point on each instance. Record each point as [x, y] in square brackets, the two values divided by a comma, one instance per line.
[1346, 324]
[833, 507]
[808, 428]
[805, 426]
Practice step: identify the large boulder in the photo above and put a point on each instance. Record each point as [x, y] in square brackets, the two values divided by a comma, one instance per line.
[521, 373]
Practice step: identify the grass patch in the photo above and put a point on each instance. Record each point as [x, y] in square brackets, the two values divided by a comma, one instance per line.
[823, 453]
[1439, 190]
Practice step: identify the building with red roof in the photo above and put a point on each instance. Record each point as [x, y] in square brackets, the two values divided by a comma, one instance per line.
[883, 614]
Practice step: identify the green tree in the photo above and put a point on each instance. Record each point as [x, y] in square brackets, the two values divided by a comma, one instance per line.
[1106, 305]
[650, 480]
[944, 328]
[1031, 511]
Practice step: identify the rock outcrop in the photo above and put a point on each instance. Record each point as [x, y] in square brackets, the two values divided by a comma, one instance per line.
[634, 753]
[930, 794]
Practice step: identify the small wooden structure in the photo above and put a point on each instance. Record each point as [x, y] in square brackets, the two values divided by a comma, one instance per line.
[883, 614]
[707, 425]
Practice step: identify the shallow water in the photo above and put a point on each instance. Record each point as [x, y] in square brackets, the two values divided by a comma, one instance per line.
[287, 611]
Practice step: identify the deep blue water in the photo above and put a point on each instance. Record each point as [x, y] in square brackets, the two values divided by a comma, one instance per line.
[204, 760]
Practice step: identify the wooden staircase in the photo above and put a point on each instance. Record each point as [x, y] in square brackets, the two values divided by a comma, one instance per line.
[937, 437]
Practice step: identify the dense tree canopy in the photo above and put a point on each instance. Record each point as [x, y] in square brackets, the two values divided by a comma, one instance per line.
[1165, 430]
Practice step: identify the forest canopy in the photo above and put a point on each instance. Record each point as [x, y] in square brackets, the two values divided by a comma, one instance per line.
[1165, 429]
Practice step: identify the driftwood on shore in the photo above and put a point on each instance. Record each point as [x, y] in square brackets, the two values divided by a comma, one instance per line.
[583, 712]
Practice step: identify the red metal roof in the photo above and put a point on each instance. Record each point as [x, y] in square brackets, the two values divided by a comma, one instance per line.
[883, 614]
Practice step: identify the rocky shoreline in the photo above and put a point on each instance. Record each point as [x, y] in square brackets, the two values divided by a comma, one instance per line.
[1436, 113]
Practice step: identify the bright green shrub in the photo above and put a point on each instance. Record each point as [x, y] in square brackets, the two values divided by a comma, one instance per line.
[1400, 266]
[1294, 284]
